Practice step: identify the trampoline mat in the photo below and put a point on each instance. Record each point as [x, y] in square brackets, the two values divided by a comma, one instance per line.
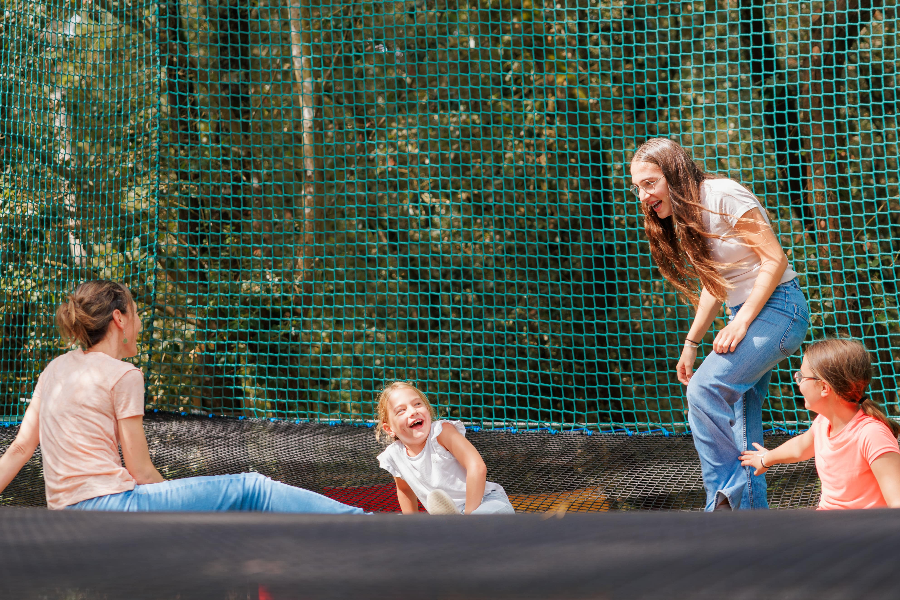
[541, 471]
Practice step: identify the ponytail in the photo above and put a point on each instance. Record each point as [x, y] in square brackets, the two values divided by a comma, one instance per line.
[84, 316]
[846, 366]
[871, 409]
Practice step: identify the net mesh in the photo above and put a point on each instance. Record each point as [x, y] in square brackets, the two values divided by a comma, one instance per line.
[311, 198]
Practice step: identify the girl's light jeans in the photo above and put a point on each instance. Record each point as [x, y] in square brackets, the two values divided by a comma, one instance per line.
[495, 503]
[726, 393]
[244, 492]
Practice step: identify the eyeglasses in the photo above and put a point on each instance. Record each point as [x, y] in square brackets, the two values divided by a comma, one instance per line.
[649, 185]
[800, 378]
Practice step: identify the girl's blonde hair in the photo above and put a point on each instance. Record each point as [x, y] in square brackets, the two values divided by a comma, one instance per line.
[846, 366]
[381, 410]
[86, 313]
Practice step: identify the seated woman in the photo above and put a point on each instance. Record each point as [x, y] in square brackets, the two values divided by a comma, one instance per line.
[853, 442]
[88, 403]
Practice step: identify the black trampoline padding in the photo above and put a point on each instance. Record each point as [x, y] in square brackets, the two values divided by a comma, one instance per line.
[767, 554]
[540, 471]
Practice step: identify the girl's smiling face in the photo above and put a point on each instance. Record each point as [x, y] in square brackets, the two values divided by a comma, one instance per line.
[653, 190]
[815, 395]
[408, 419]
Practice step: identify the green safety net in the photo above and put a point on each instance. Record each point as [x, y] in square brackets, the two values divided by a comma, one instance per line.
[310, 199]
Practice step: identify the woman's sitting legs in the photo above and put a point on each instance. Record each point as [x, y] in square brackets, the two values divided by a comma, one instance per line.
[244, 492]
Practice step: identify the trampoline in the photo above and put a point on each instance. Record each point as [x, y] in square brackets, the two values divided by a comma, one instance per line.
[564, 549]
[541, 471]
[310, 200]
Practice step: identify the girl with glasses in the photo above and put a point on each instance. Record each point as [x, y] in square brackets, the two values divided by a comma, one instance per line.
[853, 442]
[704, 227]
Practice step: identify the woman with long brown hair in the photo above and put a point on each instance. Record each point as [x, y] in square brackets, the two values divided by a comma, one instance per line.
[854, 443]
[89, 402]
[703, 227]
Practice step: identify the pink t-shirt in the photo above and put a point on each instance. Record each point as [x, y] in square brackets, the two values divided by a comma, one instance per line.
[82, 395]
[843, 461]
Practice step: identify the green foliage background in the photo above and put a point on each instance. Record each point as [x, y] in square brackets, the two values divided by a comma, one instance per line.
[311, 199]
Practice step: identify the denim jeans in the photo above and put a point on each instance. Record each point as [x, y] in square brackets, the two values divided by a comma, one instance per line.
[495, 503]
[244, 492]
[726, 393]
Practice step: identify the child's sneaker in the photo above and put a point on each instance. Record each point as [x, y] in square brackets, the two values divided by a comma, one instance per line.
[439, 503]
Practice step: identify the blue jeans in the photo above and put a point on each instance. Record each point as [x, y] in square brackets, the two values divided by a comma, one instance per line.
[726, 393]
[245, 492]
[495, 503]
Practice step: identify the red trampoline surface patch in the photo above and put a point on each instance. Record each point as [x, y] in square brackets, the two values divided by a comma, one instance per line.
[370, 498]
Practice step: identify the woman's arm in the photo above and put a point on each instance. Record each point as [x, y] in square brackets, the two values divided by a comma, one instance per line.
[23, 447]
[796, 449]
[707, 310]
[476, 472]
[409, 504]
[135, 451]
[756, 232]
[887, 473]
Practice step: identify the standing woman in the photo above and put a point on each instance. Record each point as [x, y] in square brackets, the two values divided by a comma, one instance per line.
[713, 229]
[89, 402]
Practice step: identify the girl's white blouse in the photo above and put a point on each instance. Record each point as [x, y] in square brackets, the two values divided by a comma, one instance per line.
[434, 468]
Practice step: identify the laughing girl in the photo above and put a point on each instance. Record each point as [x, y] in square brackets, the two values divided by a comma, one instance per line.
[433, 461]
[708, 228]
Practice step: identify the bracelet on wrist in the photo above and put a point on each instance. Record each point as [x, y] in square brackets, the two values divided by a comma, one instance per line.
[690, 341]
[762, 462]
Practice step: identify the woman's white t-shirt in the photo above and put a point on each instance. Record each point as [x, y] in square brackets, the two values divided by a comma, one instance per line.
[732, 201]
[434, 468]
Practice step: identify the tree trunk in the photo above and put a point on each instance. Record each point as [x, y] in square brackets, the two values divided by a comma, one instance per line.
[821, 63]
[304, 89]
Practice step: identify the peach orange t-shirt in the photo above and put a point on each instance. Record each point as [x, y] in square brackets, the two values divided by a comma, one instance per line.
[82, 396]
[843, 461]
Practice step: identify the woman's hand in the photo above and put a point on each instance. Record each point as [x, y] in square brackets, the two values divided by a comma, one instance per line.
[685, 367]
[135, 451]
[22, 448]
[751, 458]
[729, 337]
